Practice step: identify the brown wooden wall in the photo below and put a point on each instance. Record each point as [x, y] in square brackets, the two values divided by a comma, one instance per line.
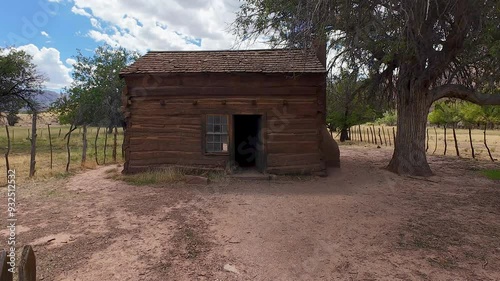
[164, 118]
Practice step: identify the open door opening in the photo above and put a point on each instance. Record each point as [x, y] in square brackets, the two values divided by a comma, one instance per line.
[248, 141]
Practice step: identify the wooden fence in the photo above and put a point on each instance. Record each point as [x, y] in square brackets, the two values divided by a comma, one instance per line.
[26, 268]
[386, 136]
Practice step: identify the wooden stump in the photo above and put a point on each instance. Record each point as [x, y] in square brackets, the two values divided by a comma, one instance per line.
[5, 274]
[27, 265]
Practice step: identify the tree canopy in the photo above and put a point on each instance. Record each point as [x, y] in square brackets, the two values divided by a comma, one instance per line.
[414, 51]
[94, 98]
[346, 105]
[20, 82]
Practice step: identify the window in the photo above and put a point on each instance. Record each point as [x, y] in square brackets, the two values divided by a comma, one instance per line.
[216, 134]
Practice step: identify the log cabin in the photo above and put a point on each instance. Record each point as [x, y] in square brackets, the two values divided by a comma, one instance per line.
[231, 110]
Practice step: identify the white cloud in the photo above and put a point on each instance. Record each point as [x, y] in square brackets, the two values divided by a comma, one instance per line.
[44, 33]
[70, 62]
[80, 12]
[95, 23]
[162, 24]
[48, 62]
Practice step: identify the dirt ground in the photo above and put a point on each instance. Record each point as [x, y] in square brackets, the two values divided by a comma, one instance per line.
[360, 223]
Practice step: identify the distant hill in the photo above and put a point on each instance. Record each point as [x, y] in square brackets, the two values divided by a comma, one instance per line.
[47, 98]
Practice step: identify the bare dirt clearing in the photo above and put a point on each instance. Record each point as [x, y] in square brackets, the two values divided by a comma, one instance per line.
[360, 223]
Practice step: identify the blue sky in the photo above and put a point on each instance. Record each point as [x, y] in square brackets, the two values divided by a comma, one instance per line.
[52, 30]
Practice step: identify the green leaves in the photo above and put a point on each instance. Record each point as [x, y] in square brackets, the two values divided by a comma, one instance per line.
[346, 104]
[452, 112]
[19, 81]
[94, 98]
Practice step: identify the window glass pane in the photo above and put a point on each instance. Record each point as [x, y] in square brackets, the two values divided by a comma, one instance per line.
[210, 147]
[216, 133]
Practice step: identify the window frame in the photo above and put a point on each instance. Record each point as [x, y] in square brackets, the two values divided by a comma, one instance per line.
[205, 132]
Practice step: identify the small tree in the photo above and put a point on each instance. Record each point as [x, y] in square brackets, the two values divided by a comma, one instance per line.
[346, 104]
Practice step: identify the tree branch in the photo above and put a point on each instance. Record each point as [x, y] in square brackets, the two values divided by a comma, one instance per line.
[464, 93]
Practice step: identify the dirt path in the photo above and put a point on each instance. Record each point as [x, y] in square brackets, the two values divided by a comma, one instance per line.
[360, 223]
[364, 223]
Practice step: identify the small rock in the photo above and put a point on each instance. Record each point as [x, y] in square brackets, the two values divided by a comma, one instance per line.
[231, 268]
[196, 180]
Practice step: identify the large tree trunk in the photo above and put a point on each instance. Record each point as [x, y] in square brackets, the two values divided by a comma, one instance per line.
[409, 153]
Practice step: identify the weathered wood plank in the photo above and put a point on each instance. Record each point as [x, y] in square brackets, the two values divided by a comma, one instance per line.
[300, 169]
[27, 265]
[292, 147]
[285, 159]
[291, 137]
[223, 91]
[166, 154]
[140, 169]
[5, 274]
[216, 161]
[226, 79]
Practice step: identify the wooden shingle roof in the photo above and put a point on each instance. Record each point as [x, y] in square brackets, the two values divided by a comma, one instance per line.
[252, 61]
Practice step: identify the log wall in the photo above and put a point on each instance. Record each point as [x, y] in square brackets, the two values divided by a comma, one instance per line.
[164, 116]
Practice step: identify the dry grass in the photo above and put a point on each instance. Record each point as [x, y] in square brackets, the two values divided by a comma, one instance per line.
[493, 140]
[19, 157]
[156, 177]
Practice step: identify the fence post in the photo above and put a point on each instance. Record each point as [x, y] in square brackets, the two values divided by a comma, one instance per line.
[50, 145]
[389, 136]
[95, 145]
[5, 274]
[427, 145]
[471, 145]
[68, 150]
[455, 139]
[436, 146]
[445, 141]
[115, 144]
[33, 145]
[360, 133]
[7, 152]
[394, 135]
[486, 143]
[27, 265]
[105, 144]
[385, 139]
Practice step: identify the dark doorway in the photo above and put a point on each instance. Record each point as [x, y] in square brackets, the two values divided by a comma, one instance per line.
[247, 140]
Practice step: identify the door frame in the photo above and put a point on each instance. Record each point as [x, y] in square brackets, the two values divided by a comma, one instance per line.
[261, 157]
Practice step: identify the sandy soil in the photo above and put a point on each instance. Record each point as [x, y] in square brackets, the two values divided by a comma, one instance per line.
[360, 223]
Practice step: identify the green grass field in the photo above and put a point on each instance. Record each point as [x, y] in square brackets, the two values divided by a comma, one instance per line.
[19, 157]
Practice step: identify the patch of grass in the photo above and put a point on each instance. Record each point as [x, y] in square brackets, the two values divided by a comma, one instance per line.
[492, 174]
[155, 177]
